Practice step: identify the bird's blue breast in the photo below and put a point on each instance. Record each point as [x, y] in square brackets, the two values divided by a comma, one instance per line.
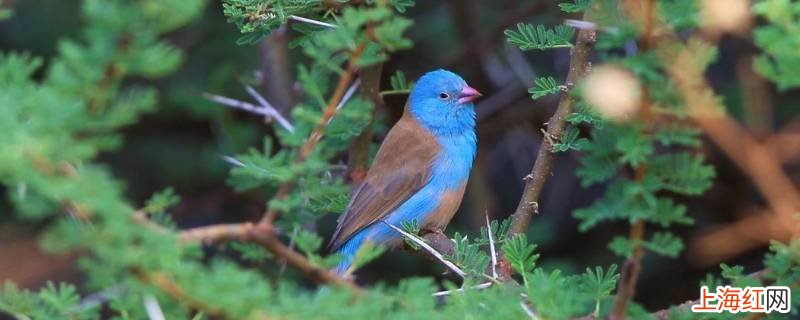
[449, 172]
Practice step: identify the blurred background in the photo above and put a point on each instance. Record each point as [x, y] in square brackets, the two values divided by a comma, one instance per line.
[182, 144]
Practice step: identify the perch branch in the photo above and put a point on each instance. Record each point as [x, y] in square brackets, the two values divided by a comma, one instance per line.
[264, 236]
[534, 182]
[429, 249]
[167, 285]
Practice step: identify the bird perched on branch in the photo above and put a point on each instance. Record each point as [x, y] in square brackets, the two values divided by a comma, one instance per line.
[420, 171]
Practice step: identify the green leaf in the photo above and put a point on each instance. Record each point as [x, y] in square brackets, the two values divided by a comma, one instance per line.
[528, 37]
[367, 253]
[402, 5]
[779, 61]
[470, 257]
[412, 227]
[162, 200]
[250, 251]
[570, 141]
[520, 254]
[399, 82]
[544, 86]
[664, 243]
[575, 6]
[681, 172]
[553, 299]
[306, 241]
[633, 145]
[675, 134]
[584, 114]
[622, 246]
[599, 283]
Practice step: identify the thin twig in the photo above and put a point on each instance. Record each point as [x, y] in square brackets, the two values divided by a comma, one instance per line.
[164, 283]
[581, 24]
[429, 249]
[579, 67]
[264, 236]
[348, 94]
[269, 113]
[268, 106]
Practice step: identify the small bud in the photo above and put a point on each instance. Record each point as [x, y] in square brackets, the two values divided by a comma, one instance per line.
[613, 91]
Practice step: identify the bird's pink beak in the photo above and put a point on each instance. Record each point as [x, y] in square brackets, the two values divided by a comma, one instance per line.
[468, 94]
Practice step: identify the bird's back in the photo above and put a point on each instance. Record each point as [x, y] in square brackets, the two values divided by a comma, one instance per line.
[400, 169]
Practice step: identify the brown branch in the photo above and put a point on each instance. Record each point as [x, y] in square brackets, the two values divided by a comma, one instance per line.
[218, 233]
[264, 236]
[358, 152]
[542, 168]
[626, 288]
[167, 285]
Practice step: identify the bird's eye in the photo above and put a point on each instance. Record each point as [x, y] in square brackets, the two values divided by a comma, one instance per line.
[444, 96]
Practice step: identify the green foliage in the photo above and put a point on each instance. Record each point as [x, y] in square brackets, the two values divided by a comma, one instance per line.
[58, 115]
[528, 37]
[499, 232]
[681, 14]
[51, 302]
[598, 282]
[367, 253]
[575, 6]
[5, 13]
[544, 86]
[570, 141]
[469, 256]
[519, 253]
[584, 114]
[399, 83]
[552, 301]
[780, 61]
[402, 5]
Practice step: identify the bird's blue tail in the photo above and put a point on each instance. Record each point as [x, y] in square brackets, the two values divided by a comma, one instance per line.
[348, 252]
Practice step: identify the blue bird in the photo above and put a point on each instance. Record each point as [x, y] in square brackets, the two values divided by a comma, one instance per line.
[420, 171]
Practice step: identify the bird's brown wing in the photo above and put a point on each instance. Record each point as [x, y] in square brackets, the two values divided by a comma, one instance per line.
[401, 167]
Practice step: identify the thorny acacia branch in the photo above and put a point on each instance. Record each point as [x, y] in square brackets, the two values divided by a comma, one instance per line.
[534, 182]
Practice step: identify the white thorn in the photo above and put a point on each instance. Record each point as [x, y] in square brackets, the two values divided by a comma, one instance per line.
[153, 309]
[312, 21]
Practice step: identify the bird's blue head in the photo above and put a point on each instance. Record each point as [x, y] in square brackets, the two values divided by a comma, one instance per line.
[442, 102]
